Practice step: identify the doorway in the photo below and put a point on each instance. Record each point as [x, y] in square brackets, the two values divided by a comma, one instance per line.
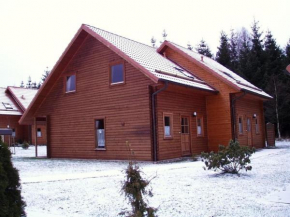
[185, 136]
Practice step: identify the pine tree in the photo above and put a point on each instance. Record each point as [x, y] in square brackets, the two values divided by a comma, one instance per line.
[234, 52]
[45, 75]
[22, 84]
[29, 83]
[287, 53]
[244, 67]
[11, 203]
[153, 41]
[164, 35]
[203, 48]
[189, 46]
[257, 57]
[273, 79]
[223, 54]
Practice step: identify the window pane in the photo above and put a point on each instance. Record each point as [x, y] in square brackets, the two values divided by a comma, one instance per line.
[240, 125]
[167, 131]
[70, 83]
[167, 121]
[249, 125]
[199, 130]
[13, 133]
[38, 132]
[186, 129]
[100, 133]
[117, 73]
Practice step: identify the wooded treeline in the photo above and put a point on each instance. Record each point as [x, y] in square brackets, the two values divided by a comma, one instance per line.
[258, 58]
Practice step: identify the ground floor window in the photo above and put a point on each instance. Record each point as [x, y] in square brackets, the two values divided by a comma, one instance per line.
[199, 126]
[100, 133]
[13, 133]
[240, 125]
[39, 132]
[257, 125]
[167, 124]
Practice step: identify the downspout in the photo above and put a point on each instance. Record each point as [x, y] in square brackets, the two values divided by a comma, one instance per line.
[154, 120]
[234, 113]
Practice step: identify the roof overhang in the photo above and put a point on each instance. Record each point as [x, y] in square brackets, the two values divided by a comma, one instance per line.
[166, 44]
[5, 131]
[262, 97]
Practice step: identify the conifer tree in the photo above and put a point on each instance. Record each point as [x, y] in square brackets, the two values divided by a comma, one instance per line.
[273, 79]
[153, 41]
[11, 203]
[234, 52]
[189, 46]
[257, 57]
[45, 75]
[203, 48]
[22, 84]
[244, 67]
[223, 54]
[287, 53]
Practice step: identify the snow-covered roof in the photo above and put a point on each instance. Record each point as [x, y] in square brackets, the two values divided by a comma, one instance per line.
[222, 71]
[24, 96]
[151, 60]
[7, 105]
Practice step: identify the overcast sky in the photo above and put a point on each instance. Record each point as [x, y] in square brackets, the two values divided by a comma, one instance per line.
[35, 33]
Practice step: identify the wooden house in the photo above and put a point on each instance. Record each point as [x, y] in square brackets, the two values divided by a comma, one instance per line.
[167, 103]
[13, 103]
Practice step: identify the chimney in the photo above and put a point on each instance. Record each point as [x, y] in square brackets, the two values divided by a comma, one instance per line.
[201, 57]
[22, 97]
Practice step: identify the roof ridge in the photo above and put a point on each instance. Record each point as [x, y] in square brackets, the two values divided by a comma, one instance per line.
[121, 36]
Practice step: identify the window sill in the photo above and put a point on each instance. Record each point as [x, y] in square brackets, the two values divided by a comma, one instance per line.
[72, 91]
[117, 83]
[100, 149]
[168, 138]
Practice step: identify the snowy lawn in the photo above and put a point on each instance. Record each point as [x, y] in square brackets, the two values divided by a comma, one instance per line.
[62, 187]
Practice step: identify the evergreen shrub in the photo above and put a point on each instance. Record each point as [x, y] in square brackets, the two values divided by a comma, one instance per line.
[229, 159]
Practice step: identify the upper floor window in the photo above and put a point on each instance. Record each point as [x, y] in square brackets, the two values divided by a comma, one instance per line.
[70, 83]
[117, 74]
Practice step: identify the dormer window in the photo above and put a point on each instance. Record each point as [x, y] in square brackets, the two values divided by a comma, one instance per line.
[7, 105]
[117, 74]
[70, 83]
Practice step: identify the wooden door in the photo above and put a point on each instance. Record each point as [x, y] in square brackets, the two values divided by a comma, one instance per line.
[249, 131]
[185, 136]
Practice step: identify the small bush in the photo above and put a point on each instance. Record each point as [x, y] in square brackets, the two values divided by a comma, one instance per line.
[25, 145]
[134, 188]
[230, 159]
[11, 203]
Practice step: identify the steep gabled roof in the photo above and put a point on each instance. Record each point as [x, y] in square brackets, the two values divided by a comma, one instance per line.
[141, 56]
[22, 96]
[7, 105]
[217, 69]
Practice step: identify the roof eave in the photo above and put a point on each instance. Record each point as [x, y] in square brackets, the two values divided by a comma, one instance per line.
[257, 94]
[199, 88]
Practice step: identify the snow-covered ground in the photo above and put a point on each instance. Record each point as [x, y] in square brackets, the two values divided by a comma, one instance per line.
[65, 187]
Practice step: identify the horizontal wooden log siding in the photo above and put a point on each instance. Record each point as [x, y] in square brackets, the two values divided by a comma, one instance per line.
[21, 131]
[247, 107]
[180, 101]
[218, 106]
[126, 108]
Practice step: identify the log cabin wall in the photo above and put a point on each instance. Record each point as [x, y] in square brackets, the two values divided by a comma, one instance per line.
[124, 107]
[217, 107]
[180, 101]
[12, 121]
[246, 107]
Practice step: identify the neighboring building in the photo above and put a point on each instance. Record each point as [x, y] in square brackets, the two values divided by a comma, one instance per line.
[167, 103]
[13, 103]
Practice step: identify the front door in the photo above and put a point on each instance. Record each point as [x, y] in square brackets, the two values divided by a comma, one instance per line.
[185, 136]
[249, 131]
